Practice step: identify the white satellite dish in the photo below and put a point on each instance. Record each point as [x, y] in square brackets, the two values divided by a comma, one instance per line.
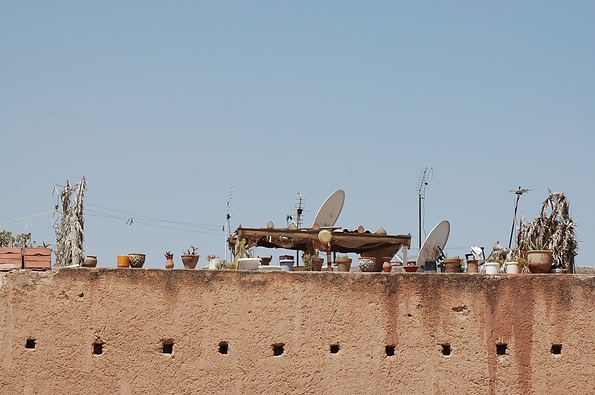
[438, 235]
[331, 208]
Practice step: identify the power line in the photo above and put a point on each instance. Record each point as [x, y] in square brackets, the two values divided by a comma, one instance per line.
[147, 218]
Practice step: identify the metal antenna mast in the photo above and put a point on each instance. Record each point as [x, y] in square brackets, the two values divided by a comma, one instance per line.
[227, 218]
[421, 194]
[518, 192]
[299, 210]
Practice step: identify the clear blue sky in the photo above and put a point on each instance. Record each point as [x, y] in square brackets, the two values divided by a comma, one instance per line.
[163, 105]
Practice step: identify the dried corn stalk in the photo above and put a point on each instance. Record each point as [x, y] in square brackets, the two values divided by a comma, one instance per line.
[553, 230]
[70, 229]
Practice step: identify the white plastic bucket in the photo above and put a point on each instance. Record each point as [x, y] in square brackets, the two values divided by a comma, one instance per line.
[492, 267]
[512, 268]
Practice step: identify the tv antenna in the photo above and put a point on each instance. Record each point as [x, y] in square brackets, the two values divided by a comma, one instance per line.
[424, 179]
[518, 192]
[299, 209]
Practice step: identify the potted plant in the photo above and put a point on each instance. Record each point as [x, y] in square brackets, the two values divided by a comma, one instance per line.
[492, 266]
[11, 256]
[553, 231]
[452, 265]
[169, 260]
[539, 260]
[312, 262]
[245, 258]
[343, 263]
[472, 266]
[224, 265]
[213, 261]
[190, 258]
[37, 258]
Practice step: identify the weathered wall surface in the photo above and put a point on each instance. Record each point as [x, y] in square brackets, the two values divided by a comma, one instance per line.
[339, 333]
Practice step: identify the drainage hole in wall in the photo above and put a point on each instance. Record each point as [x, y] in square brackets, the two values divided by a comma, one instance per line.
[223, 348]
[390, 351]
[556, 349]
[97, 348]
[278, 349]
[446, 349]
[30, 343]
[168, 347]
[501, 349]
[334, 348]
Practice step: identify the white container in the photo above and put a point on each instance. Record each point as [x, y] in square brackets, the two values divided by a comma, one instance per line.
[248, 263]
[492, 267]
[512, 268]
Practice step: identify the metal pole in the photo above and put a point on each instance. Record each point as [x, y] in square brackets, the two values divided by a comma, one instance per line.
[419, 221]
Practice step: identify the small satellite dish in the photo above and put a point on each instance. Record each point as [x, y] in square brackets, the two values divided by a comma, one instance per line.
[331, 208]
[438, 235]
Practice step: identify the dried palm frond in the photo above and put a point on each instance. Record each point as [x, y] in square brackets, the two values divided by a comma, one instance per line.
[70, 229]
[553, 230]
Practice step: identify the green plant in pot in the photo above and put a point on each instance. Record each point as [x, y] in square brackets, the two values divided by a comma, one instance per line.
[190, 257]
[539, 260]
[245, 256]
[312, 262]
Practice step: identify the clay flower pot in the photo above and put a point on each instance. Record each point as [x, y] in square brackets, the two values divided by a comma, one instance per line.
[472, 266]
[317, 264]
[91, 261]
[539, 261]
[265, 260]
[343, 264]
[190, 261]
[410, 268]
[387, 267]
[452, 265]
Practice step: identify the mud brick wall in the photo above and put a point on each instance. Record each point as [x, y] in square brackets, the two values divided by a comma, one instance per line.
[152, 331]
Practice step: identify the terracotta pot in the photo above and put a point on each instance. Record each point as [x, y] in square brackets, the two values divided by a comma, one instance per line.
[317, 264]
[472, 266]
[190, 261]
[539, 261]
[387, 267]
[169, 263]
[452, 265]
[410, 268]
[265, 260]
[91, 261]
[343, 264]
